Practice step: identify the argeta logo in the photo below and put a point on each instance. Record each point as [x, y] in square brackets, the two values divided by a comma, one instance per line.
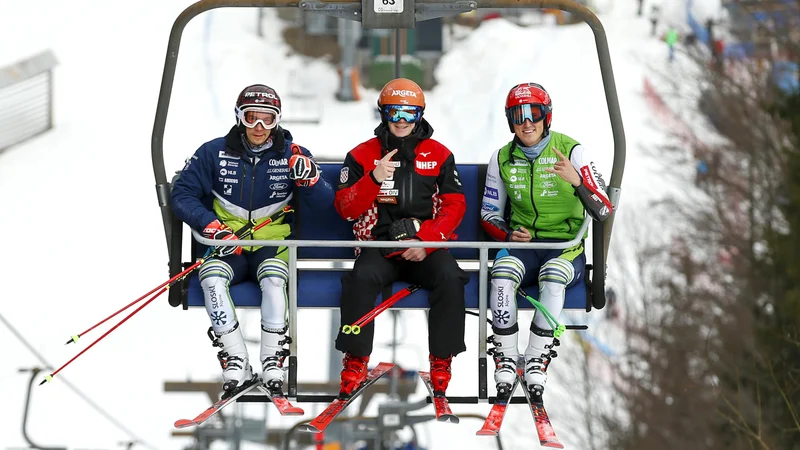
[404, 93]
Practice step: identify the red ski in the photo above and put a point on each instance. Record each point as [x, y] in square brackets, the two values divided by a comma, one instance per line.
[440, 403]
[547, 435]
[281, 402]
[494, 420]
[337, 406]
[214, 409]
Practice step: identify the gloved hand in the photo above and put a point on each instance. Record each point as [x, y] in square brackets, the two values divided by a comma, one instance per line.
[303, 170]
[400, 230]
[218, 230]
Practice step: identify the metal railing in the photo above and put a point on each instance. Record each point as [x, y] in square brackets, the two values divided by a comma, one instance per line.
[483, 268]
[26, 99]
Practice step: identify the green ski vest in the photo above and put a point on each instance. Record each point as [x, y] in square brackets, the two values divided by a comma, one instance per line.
[542, 202]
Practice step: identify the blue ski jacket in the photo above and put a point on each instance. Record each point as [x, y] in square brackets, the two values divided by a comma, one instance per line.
[221, 181]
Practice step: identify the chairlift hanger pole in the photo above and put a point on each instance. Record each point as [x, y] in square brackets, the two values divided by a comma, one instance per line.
[366, 12]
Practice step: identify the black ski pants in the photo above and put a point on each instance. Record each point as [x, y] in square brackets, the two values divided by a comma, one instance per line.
[438, 273]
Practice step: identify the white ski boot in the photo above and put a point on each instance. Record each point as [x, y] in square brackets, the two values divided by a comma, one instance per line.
[272, 356]
[505, 355]
[236, 371]
[538, 356]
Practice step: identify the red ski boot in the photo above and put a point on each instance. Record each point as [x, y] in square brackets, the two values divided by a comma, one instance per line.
[440, 374]
[354, 374]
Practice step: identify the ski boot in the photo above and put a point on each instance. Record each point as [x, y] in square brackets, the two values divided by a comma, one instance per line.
[536, 362]
[440, 374]
[505, 355]
[272, 356]
[354, 374]
[236, 371]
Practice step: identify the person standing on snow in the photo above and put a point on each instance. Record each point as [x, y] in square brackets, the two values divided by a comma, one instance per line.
[248, 175]
[402, 184]
[550, 181]
[671, 38]
[655, 14]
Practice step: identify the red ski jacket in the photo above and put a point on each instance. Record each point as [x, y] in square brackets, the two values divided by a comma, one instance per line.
[424, 186]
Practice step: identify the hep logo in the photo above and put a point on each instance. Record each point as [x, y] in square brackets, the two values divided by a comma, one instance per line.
[219, 318]
[502, 317]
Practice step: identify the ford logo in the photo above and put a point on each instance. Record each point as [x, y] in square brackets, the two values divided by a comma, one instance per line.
[278, 186]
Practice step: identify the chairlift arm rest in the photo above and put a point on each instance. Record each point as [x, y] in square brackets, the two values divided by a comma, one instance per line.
[389, 244]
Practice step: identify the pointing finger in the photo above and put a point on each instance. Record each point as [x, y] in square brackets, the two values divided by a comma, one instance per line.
[560, 155]
[389, 155]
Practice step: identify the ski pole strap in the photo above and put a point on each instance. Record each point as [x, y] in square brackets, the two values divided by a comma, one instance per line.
[558, 329]
[355, 328]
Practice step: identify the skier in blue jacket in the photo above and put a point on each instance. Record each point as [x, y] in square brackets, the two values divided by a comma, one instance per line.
[248, 175]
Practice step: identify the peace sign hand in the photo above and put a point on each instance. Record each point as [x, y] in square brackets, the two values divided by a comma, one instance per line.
[563, 167]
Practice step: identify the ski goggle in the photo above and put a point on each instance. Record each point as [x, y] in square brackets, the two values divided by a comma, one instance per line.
[267, 117]
[520, 113]
[395, 113]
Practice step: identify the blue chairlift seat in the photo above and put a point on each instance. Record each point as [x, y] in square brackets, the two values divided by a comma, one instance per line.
[322, 288]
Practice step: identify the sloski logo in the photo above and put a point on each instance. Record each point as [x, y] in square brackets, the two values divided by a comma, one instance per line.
[219, 318]
[502, 317]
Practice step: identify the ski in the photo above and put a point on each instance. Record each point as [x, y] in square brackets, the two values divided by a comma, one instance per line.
[281, 402]
[494, 420]
[215, 408]
[440, 403]
[337, 406]
[547, 435]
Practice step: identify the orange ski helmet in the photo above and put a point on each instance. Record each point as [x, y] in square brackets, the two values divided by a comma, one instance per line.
[401, 91]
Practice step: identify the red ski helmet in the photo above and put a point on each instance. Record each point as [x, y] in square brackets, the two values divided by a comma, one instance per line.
[529, 94]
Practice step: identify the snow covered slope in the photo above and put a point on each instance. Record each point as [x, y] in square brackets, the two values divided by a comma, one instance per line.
[90, 240]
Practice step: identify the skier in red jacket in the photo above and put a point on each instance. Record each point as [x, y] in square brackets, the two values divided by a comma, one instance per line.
[400, 185]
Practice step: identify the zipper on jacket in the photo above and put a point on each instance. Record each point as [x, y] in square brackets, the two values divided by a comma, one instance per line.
[244, 176]
[250, 207]
[533, 203]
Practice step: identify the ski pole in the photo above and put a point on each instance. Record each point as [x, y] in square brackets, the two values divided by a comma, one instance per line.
[50, 377]
[165, 286]
[558, 329]
[242, 233]
[355, 328]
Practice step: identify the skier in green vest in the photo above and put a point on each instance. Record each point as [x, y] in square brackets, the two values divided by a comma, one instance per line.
[548, 180]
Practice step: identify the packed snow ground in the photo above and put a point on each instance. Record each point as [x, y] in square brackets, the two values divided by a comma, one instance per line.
[91, 239]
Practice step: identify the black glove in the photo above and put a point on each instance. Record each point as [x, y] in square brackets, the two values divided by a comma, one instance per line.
[401, 230]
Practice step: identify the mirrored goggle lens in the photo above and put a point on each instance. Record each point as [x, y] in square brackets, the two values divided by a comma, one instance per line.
[252, 117]
[520, 113]
[394, 113]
